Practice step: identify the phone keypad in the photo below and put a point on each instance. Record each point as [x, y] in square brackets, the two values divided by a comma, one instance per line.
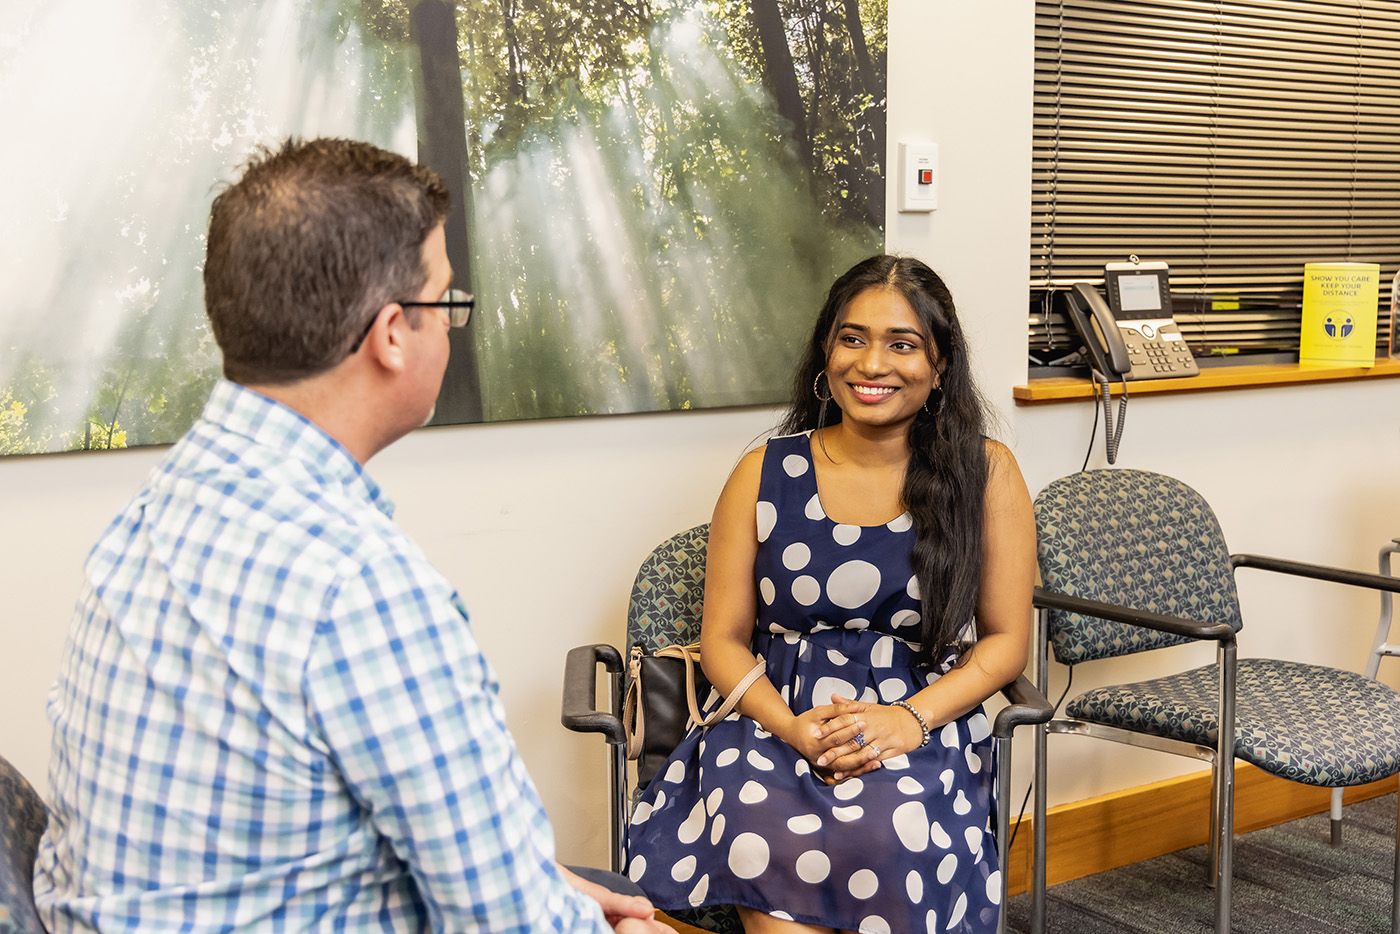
[1160, 357]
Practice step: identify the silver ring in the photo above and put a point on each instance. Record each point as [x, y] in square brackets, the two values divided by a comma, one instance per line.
[859, 740]
[877, 750]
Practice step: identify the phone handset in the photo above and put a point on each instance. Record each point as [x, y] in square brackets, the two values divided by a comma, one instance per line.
[1102, 336]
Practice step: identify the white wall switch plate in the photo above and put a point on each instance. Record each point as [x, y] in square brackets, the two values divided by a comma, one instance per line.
[918, 177]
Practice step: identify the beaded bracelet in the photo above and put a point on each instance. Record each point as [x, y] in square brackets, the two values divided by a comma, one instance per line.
[923, 725]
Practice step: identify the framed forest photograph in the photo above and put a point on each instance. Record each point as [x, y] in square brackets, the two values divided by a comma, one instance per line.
[649, 198]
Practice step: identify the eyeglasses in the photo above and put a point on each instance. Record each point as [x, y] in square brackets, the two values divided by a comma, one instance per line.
[459, 305]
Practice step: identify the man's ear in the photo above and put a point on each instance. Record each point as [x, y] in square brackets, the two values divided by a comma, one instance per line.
[385, 340]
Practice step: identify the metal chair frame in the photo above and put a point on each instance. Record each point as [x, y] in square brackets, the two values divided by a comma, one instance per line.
[1221, 756]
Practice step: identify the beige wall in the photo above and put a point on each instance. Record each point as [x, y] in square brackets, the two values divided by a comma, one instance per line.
[541, 525]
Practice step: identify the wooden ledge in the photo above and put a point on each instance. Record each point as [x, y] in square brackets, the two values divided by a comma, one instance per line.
[1255, 376]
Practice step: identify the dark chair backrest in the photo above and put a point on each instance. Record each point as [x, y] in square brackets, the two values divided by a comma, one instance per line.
[667, 601]
[1134, 538]
[22, 821]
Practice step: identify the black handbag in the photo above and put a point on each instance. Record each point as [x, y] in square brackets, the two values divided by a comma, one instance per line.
[663, 702]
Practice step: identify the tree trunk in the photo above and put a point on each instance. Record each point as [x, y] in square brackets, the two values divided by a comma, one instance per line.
[442, 146]
[874, 189]
[779, 74]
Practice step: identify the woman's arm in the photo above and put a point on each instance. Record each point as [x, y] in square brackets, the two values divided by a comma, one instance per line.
[1003, 627]
[731, 607]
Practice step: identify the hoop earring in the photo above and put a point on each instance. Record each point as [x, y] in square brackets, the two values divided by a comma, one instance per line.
[816, 389]
[937, 401]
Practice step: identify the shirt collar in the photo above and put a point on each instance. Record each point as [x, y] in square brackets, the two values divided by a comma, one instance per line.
[269, 423]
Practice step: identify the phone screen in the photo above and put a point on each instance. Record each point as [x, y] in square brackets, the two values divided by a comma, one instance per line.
[1140, 293]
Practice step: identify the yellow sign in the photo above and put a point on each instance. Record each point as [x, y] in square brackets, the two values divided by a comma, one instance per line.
[1339, 314]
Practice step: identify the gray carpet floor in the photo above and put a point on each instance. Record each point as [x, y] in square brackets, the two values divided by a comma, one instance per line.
[1287, 879]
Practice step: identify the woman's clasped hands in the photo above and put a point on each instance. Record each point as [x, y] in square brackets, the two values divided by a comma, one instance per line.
[848, 738]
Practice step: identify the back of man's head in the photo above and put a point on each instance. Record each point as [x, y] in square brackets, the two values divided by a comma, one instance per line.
[305, 249]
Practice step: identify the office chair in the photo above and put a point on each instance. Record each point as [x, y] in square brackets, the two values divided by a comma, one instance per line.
[1132, 561]
[22, 822]
[1381, 647]
[665, 609]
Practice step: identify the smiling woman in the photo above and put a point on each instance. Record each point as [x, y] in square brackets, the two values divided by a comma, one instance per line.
[863, 542]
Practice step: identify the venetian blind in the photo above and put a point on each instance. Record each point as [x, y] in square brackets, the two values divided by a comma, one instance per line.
[1235, 140]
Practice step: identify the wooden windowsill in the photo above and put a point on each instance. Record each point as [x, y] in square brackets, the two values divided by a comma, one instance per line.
[1256, 376]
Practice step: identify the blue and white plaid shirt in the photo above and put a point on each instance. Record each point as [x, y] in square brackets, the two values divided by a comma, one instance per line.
[272, 714]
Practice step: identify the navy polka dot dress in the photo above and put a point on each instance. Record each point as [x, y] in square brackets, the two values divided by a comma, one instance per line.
[737, 817]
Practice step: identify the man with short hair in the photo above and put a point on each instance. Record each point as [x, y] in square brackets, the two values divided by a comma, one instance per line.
[272, 713]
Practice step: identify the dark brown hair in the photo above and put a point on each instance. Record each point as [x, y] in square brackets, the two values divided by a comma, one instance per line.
[946, 479]
[305, 249]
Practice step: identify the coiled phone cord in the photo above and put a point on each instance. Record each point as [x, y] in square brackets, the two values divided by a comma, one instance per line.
[1111, 433]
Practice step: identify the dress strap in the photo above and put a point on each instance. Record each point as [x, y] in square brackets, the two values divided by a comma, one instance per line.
[789, 480]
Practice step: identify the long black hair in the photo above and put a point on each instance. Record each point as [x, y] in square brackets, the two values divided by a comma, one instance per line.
[946, 478]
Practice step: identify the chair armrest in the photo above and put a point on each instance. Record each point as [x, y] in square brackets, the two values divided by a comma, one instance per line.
[1028, 706]
[581, 713]
[1317, 572]
[1176, 625]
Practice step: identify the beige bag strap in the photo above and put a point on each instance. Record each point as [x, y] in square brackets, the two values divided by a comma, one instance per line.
[689, 654]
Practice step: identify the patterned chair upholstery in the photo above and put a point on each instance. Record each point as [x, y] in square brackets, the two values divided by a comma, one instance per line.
[22, 821]
[1149, 544]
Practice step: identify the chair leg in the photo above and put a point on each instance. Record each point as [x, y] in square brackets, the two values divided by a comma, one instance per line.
[1213, 870]
[1038, 896]
[1003, 747]
[1335, 813]
[1225, 785]
[618, 790]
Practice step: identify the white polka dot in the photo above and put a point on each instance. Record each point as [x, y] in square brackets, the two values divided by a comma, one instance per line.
[905, 618]
[910, 825]
[716, 830]
[675, 771]
[910, 786]
[748, 855]
[891, 689]
[940, 836]
[642, 813]
[848, 814]
[638, 868]
[804, 824]
[758, 761]
[913, 588]
[846, 534]
[827, 686]
[931, 921]
[802, 768]
[713, 801]
[726, 757]
[856, 624]
[973, 837]
[959, 910]
[780, 915]
[994, 887]
[960, 804]
[697, 894]
[949, 735]
[759, 731]
[813, 867]
[896, 763]
[769, 593]
[848, 789]
[869, 696]
[882, 652]
[791, 637]
[767, 515]
[795, 465]
[914, 886]
[901, 523]
[978, 728]
[946, 868]
[684, 869]
[863, 884]
[836, 658]
[853, 584]
[814, 509]
[946, 777]
[874, 924]
[753, 793]
[974, 761]
[694, 825]
[796, 556]
[806, 590]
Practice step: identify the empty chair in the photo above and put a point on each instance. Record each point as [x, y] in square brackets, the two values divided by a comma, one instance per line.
[22, 822]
